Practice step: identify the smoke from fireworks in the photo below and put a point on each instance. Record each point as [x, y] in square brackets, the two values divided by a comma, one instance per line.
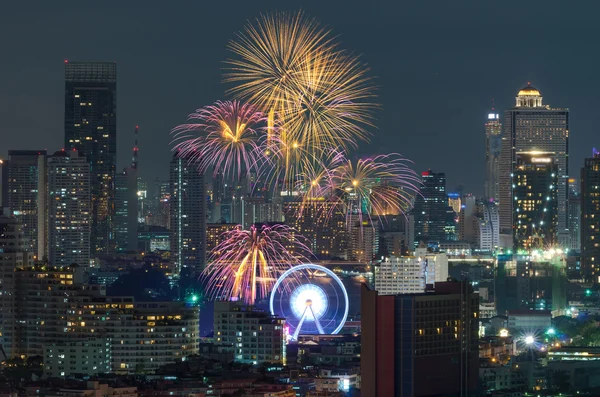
[248, 262]
[226, 136]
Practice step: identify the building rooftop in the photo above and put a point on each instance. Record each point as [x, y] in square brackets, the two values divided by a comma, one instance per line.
[529, 91]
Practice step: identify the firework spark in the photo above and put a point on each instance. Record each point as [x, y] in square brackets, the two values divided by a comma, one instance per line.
[317, 96]
[248, 262]
[226, 136]
[377, 186]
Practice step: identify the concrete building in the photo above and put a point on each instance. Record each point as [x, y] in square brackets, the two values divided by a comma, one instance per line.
[90, 357]
[91, 128]
[256, 335]
[400, 275]
[420, 344]
[529, 320]
[15, 254]
[69, 206]
[529, 126]
[188, 216]
[93, 389]
[363, 242]
[590, 218]
[493, 140]
[26, 196]
[215, 233]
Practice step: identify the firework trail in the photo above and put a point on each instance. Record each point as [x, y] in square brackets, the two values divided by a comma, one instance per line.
[248, 262]
[376, 186]
[226, 136]
[317, 96]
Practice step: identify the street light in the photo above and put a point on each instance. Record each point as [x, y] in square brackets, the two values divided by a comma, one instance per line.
[529, 340]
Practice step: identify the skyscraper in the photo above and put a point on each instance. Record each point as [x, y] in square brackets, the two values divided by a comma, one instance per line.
[420, 344]
[574, 208]
[91, 127]
[493, 143]
[531, 126]
[590, 218]
[188, 216]
[15, 254]
[535, 195]
[431, 208]
[126, 204]
[68, 209]
[26, 196]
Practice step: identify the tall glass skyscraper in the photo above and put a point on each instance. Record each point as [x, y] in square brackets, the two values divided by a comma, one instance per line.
[91, 128]
[531, 126]
[590, 218]
[493, 143]
[26, 196]
[432, 212]
[188, 216]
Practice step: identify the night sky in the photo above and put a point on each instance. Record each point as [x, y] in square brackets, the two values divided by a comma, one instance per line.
[438, 65]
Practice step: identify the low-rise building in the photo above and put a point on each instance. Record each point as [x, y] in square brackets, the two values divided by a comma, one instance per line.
[93, 389]
[529, 320]
[90, 357]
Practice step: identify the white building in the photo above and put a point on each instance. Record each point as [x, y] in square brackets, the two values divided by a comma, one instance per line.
[486, 227]
[256, 336]
[90, 357]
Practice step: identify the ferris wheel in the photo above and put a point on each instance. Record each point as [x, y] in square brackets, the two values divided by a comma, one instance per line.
[312, 299]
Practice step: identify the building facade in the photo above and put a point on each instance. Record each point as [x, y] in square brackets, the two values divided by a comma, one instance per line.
[26, 196]
[590, 218]
[531, 126]
[431, 210]
[90, 357]
[14, 254]
[188, 216]
[493, 143]
[420, 344]
[69, 203]
[256, 336]
[535, 191]
[91, 128]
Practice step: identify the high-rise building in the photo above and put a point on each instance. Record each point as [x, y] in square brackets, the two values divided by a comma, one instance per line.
[215, 233]
[420, 344]
[26, 196]
[91, 128]
[322, 223]
[493, 143]
[431, 209]
[15, 254]
[486, 226]
[257, 336]
[590, 218]
[363, 242]
[126, 218]
[531, 126]
[535, 200]
[188, 216]
[68, 209]
[3, 185]
[574, 207]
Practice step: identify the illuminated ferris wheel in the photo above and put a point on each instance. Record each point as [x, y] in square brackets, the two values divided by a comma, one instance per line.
[312, 299]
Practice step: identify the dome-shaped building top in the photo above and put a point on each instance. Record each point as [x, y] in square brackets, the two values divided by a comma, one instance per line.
[529, 91]
[529, 96]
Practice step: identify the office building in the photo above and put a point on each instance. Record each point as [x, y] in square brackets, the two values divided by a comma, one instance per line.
[15, 254]
[256, 336]
[432, 213]
[535, 200]
[574, 207]
[68, 209]
[127, 204]
[420, 344]
[493, 143]
[26, 196]
[188, 216]
[91, 128]
[153, 238]
[396, 235]
[590, 218]
[3, 185]
[90, 357]
[533, 126]
[486, 226]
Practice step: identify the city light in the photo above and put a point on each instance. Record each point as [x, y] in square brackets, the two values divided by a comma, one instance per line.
[529, 339]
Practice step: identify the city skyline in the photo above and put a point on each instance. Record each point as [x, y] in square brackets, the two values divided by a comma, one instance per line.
[404, 89]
